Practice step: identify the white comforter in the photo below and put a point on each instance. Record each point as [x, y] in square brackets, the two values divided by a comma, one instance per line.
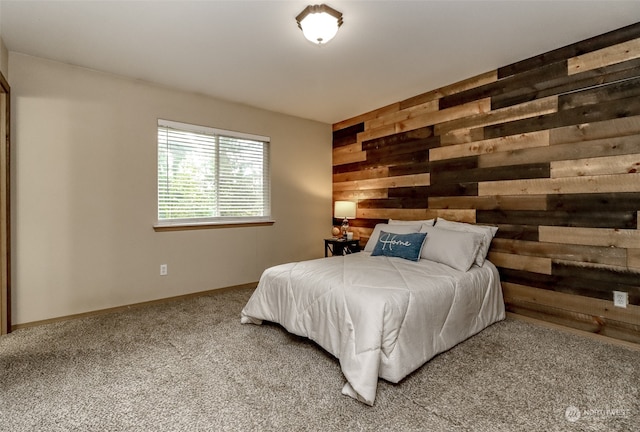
[380, 316]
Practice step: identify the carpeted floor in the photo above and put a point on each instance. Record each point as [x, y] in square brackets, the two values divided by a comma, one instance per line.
[191, 366]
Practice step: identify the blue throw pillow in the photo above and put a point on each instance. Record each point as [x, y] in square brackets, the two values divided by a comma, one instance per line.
[407, 246]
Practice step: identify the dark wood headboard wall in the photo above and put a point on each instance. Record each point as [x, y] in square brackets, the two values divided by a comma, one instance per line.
[547, 149]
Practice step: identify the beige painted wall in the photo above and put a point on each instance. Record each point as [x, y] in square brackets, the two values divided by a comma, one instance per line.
[4, 53]
[85, 193]
[4, 59]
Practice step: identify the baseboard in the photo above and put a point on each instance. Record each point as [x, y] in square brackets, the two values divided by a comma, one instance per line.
[589, 335]
[134, 305]
[510, 315]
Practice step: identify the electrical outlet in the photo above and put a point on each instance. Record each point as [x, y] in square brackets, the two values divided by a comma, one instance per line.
[620, 299]
[163, 269]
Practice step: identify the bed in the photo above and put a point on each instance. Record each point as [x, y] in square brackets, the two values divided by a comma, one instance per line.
[380, 315]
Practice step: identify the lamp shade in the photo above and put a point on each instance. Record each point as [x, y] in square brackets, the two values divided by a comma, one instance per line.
[319, 23]
[344, 209]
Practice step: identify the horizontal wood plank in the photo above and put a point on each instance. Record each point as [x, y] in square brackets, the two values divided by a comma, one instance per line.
[404, 203]
[516, 112]
[401, 115]
[468, 216]
[361, 223]
[453, 189]
[494, 202]
[571, 280]
[594, 219]
[589, 45]
[594, 148]
[463, 189]
[348, 154]
[566, 185]
[506, 85]
[567, 84]
[382, 153]
[399, 139]
[411, 167]
[347, 149]
[590, 236]
[360, 119]
[461, 136]
[517, 232]
[455, 164]
[347, 158]
[615, 128]
[596, 166]
[460, 86]
[587, 203]
[570, 302]
[633, 258]
[606, 110]
[347, 135]
[568, 252]
[521, 262]
[356, 195]
[598, 280]
[384, 182]
[401, 164]
[496, 145]
[361, 175]
[595, 328]
[376, 133]
[604, 57]
[629, 339]
[624, 89]
[393, 159]
[435, 118]
[524, 171]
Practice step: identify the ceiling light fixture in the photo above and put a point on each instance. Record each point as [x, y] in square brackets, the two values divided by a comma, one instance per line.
[319, 23]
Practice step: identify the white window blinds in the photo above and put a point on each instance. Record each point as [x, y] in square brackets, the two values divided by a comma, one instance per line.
[211, 175]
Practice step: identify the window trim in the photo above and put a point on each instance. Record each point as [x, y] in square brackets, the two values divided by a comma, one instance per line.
[180, 224]
[209, 130]
[208, 225]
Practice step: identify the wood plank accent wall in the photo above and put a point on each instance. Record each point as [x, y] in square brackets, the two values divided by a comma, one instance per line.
[547, 149]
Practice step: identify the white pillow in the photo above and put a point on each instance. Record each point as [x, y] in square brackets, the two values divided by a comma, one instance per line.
[456, 249]
[394, 229]
[430, 222]
[488, 232]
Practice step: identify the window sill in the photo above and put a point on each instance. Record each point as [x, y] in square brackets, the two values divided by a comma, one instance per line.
[208, 225]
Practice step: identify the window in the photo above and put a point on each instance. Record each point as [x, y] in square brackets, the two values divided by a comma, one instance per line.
[211, 176]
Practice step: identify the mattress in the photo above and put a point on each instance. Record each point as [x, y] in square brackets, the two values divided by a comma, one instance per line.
[379, 316]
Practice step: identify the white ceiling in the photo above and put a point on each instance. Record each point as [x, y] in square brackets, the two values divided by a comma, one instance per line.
[252, 52]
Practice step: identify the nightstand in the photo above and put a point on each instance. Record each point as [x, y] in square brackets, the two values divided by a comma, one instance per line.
[338, 246]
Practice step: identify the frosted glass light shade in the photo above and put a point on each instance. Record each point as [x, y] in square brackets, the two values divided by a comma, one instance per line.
[344, 209]
[319, 23]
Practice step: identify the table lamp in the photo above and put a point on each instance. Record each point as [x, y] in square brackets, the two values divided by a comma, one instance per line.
[344, 210]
